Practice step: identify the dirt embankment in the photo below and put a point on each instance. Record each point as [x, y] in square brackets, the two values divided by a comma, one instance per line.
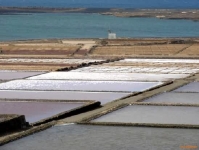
[191, 14]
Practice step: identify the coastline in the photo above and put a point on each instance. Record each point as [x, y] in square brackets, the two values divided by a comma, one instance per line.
[189, 14]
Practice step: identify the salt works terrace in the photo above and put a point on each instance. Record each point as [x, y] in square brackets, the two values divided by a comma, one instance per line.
[148, 91]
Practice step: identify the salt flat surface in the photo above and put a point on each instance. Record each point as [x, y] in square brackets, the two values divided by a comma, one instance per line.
[8, 71]
[108, 76]
[103, 97]
[162, 60]
[153, 114]
[136, 69]
[78, 42]
[10, 75]
[36, 111]
[63, 85]
[191, 87]
[63, 61]
[188, 98]
[87, 137]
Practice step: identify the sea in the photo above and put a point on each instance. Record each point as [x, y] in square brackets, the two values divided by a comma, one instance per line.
[82, 25]
[105, 3]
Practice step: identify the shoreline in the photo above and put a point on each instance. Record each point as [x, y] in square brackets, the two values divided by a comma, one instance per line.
[188, 14]
[57, 40]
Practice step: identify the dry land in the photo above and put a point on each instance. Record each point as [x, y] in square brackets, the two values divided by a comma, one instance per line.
[191, 14]
[36, 50]
[158, 13]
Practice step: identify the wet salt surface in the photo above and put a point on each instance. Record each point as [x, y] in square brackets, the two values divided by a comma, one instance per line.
[191, 87]
[7, 71]
[36, 111]
[17, 75]
[162, 60]
[108, 76]
[86, 137]
[153, 114]
[188, 98]
[61, 85]
[103, 97]
[138, 69]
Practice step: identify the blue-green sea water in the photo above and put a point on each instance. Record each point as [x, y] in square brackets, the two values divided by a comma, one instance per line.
[64, 25]
[177, 4]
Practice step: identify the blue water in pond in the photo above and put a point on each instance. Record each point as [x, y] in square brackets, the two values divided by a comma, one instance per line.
[37, 26]
[104, 3]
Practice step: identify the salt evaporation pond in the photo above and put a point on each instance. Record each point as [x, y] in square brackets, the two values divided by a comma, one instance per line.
[192, 61]
[191, 87]
[153, 114]
[87, 137]
[36, 111]
[103, 97]
[108, 76]
[186, 98]
[136, 69]
[11, 75]
[61, 85]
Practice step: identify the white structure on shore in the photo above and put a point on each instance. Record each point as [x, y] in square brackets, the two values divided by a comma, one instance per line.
[111, 35]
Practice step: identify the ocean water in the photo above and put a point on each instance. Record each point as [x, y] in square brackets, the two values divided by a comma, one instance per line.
[105, 3]
[60, 25]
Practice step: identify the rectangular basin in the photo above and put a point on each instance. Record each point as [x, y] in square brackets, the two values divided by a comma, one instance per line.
[63, 85]
[138, 69]
[11, 75]
[108, 76]
[87, 137]
[183, 98]
[189, 88]
[103, 97]
[153, 115]
[192, 61]
[39, 111]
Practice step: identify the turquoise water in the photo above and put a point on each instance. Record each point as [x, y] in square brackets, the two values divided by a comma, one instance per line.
[37, 26]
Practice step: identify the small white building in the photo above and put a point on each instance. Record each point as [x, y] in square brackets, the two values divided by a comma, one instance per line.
[112, 35]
